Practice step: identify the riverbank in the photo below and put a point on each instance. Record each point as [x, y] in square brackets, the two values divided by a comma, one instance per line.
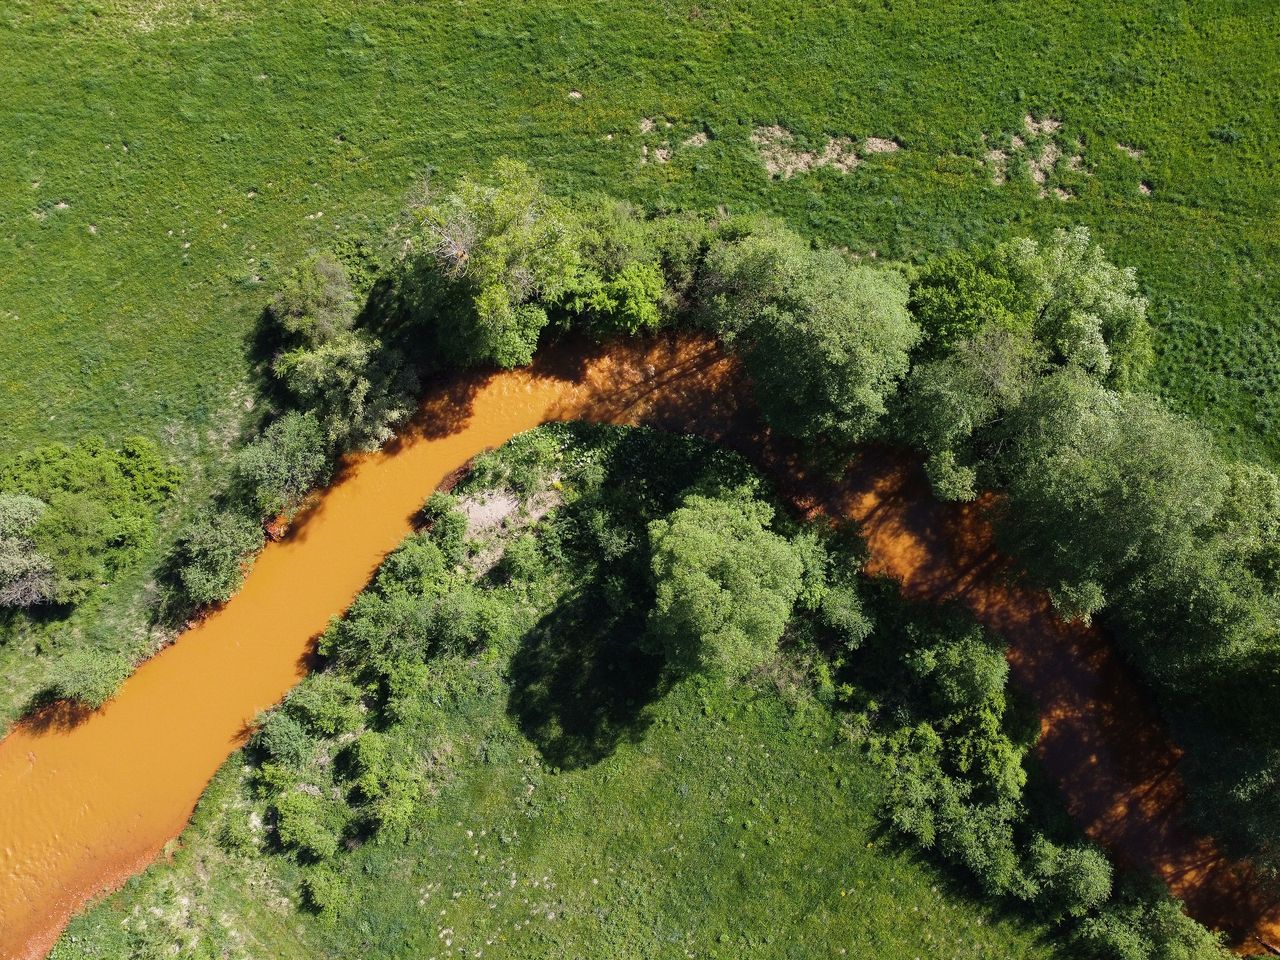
[83, 801]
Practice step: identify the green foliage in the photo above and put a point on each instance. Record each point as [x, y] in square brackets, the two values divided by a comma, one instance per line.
[1071, 880]
[951, 404]
[101, 505]
[212, 553]
[88, 676]
[1145, 924]
[307, 823]
[508, 251]
[283, 739]
[279, 468]
[357, 391]
[1086, 311]
[958, 294]
[446, 525]
[315, 302]
[1105, 485]
[327, 704]
[825, 341]
[725, 584]
[26, 575]
[325, 892]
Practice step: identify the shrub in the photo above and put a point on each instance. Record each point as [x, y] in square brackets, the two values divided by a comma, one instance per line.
[508, 251]
[356, 391]
[324, 891]
[446, 525]
[315, 303]
[306, 823]
[1144, 923]
[26, 575]
[99, 517]
[280, 467]
[283, 739]
[328, 703]
[89, 676]
[212, 552]
[1071, 880]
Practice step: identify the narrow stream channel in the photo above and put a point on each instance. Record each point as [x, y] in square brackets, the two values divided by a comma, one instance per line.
[85, 802]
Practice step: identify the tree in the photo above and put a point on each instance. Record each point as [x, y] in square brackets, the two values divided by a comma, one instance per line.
[1103, 487]
[315, 303]
[961, 293]
[950, 403]
[212, 552]
[509, 251]
[352, 388]
[825, 340]
[725, 584]
[1070, 881]
[1086, 310]
[277, 470]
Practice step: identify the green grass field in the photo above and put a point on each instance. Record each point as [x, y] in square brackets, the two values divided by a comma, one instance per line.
[167, 160]
[737, 825]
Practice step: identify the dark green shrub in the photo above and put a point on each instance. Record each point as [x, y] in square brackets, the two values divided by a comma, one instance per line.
[212, 554]
[278, 469]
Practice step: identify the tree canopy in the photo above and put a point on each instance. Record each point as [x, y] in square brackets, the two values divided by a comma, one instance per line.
[725, 584]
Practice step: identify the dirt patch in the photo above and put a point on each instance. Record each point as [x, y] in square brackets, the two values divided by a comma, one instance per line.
[495, 516]
[647, 125]
[697, 141]
[782, 158]
[880, 145]
[1041, 166]
[488, 511]
[1134, 153]
[1045, 127]
[1144, 188]
[998, 161]
[575, 95]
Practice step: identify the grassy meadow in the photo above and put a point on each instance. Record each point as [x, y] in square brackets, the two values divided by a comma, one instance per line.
[667, 848]
[169, 160]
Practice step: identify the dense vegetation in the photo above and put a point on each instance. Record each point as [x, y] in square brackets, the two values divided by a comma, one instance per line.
[1008, 366]
[502, 682]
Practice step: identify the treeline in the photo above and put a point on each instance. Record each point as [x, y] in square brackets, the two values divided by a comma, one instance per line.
[1119, 507]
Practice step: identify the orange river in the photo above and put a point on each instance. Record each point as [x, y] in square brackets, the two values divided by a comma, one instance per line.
[87, 801]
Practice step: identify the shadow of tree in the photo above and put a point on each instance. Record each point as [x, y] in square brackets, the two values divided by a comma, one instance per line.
[581, 681]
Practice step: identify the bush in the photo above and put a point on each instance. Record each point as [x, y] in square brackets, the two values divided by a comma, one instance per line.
[306, 823]
[324, 891]
[357, 391]
[507, 251]
[26, 575]
[327, 703]
[446, 525]
[211, 555]
[1071, 880]
[99, 517]
[283, 739]
[277, 470]
[1144, 923]
[89, 676]
[315, 303]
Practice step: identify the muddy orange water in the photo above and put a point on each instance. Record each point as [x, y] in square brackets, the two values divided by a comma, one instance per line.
[87, 801]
